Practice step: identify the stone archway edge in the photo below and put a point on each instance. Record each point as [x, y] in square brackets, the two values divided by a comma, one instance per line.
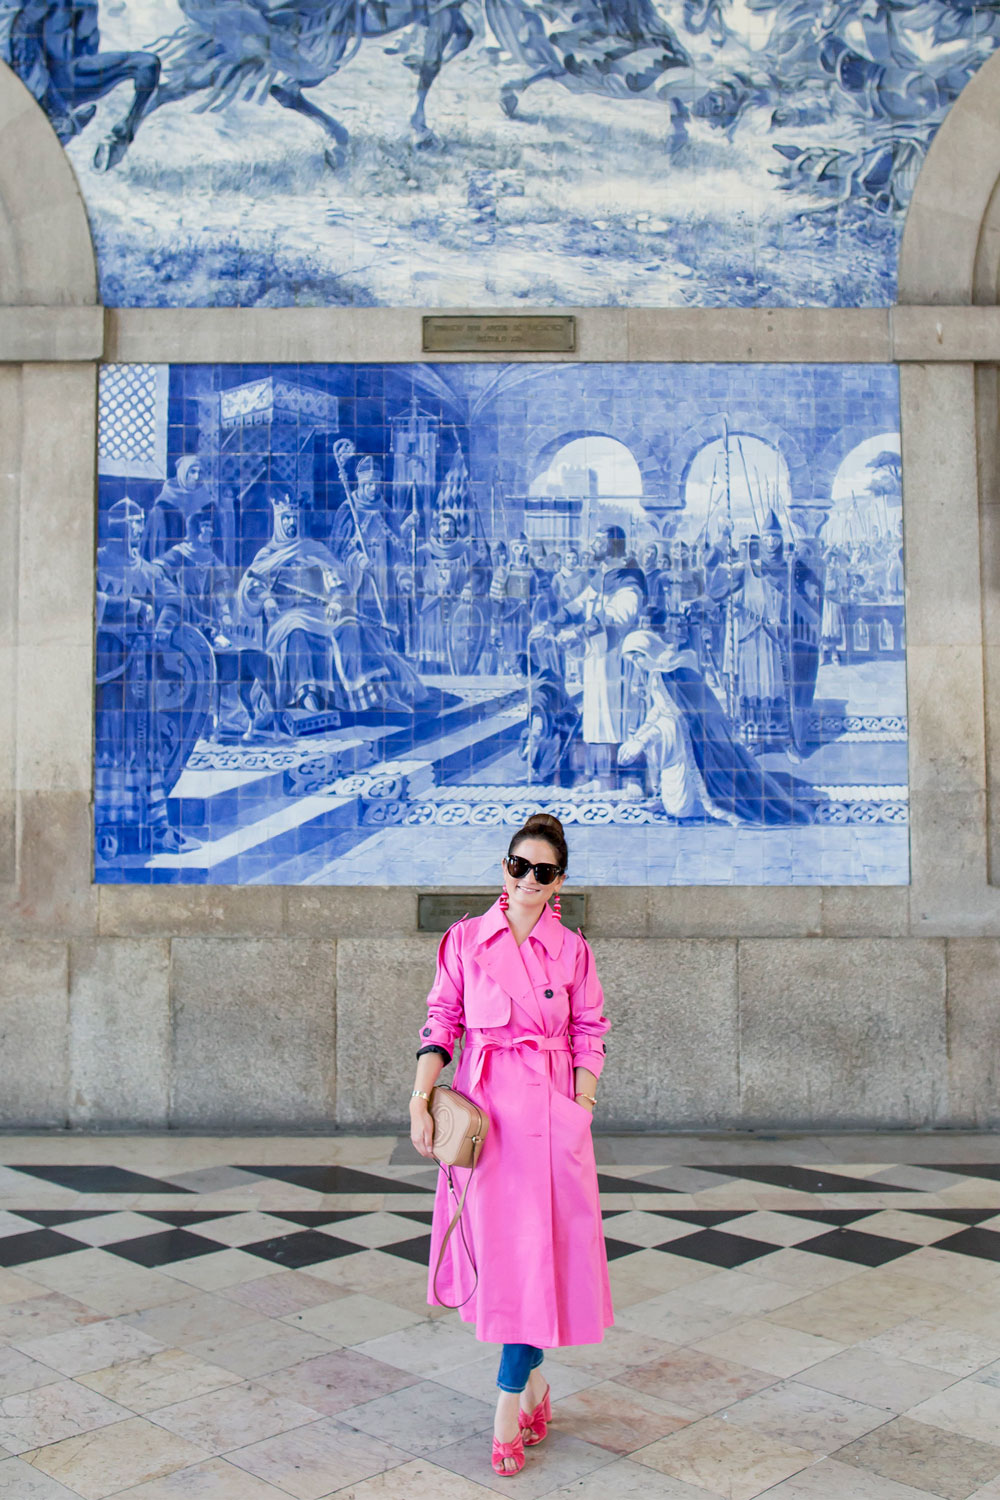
[909, 334]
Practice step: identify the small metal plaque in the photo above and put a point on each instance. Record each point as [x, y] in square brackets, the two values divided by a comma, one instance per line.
[545, 334]
[435, 912]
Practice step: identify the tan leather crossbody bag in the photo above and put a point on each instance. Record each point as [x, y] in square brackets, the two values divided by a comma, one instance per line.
[460, 1128]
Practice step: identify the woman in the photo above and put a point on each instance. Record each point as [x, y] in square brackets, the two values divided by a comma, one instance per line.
[525, 993]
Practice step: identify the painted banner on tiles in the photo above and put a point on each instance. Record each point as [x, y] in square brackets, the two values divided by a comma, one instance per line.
[348, 152]
[354, 622]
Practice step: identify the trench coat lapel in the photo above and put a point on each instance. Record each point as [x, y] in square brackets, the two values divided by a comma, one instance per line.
[500, 958]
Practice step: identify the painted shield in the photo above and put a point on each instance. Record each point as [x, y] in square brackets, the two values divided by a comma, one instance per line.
[183, 691]
[467, 630]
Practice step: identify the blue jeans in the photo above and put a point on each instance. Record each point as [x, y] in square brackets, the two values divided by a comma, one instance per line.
[516, 1363]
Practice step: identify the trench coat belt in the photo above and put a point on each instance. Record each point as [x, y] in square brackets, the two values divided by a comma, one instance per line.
[532, 1045]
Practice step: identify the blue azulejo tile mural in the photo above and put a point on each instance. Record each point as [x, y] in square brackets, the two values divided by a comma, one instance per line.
[473, 152]
[355, 621]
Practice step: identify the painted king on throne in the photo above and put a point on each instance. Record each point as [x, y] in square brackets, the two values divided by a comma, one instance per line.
[323, 653]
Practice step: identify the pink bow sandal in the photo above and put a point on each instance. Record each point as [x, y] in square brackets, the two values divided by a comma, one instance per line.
[514, 1450]
[538, 1422]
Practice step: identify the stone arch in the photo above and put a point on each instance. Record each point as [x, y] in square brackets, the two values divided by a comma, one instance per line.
[950, 254]
[711, 428]
[46, 252]
[829, 461]
[641, 448]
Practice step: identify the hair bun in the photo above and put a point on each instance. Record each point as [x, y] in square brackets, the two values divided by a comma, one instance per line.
[543, 823]
[543, 826]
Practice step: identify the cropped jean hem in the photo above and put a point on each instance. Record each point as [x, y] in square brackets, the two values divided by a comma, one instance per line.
[516, 1363]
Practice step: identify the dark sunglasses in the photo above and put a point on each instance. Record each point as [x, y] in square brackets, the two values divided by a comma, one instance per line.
[544, 874]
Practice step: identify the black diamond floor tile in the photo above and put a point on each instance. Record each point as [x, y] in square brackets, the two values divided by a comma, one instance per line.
[337, 1179]
[609, 1184]
[861, 1249]
[802, 1179]
[307, 1248]
[959, 1215]
[617, 1248]
[99, 1179]
[163, 1249]
[836, 1216]
[180, 1218]
[423, 1215]
[990, 1169]
[35, 1244]
[418, 1250]
[984, 1244]
[53, 1216]
[714, 1248]
[315, 1218]
[707, 1218]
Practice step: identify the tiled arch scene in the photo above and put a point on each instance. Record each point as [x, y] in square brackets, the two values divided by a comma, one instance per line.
[803, 1318]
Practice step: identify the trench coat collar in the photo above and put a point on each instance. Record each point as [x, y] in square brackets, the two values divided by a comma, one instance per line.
[548, 930]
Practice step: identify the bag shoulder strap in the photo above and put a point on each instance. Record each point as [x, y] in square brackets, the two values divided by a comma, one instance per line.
[450, 1231]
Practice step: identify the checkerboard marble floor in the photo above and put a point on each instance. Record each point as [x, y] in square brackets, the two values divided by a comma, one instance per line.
[801, 1317]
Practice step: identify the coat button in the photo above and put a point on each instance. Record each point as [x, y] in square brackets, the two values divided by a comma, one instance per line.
[426, 1031]
[548, 994]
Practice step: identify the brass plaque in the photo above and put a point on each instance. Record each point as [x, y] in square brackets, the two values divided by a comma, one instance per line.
[436, 912]
[545, 334]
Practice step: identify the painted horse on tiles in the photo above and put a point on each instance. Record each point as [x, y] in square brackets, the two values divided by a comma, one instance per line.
[54, 47]
[251, 50]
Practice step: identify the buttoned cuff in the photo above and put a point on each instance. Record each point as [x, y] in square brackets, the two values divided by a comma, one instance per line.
[434, 1034]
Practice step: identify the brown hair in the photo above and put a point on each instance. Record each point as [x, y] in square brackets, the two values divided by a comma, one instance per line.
[543, 826]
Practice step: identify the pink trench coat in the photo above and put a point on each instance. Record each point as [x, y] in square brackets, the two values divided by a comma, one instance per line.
[532, 1218]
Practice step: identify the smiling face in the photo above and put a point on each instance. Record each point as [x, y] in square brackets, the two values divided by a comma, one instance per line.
[527, 896]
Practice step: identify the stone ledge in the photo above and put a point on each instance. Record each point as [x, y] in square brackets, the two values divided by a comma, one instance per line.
[51, 334]
[957, 334]
[819, 335]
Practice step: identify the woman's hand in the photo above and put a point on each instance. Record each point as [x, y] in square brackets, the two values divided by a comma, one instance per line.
[421, 1126]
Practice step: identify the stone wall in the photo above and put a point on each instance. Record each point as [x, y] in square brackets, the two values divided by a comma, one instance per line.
[298, 1007]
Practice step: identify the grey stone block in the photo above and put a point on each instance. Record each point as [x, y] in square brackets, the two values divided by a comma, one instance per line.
[34, 1012]
[956, 182]
[866, 911]
[48, 256]
[727, 911]
[119, 1032]
[350, 911]
[56, 541]
[671, 1051]
[616, 911]
[946, 736]
[51, 333]
[949, 894]
[54, 893]
[382, 986]
[816, 335]
[254, 1032]
[842, 1032]
[955, 334]
[136, 910]
[940, 507]
[672, 1048]
[974, 1032]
